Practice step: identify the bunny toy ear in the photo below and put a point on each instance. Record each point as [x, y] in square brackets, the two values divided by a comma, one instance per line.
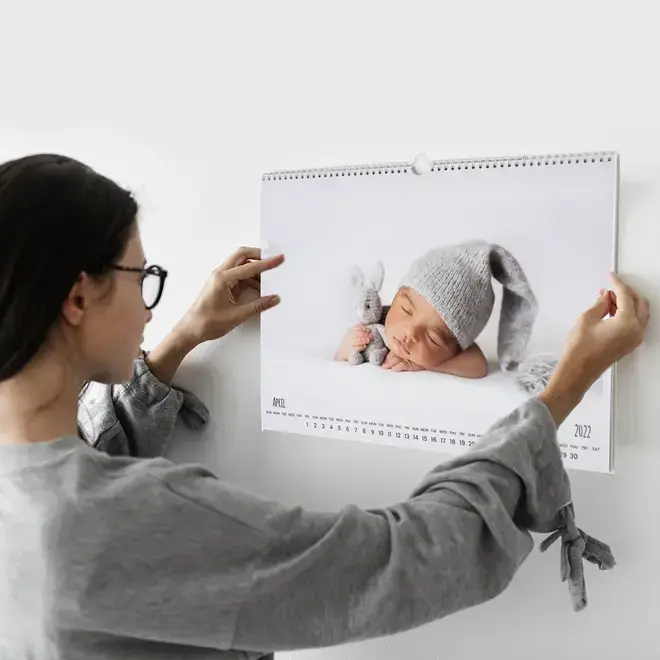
[357, 277]
[377, 276]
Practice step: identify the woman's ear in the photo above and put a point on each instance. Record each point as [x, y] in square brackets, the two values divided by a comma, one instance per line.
[76, 303]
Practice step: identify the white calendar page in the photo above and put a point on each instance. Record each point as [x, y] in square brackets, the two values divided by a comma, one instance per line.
[556, 215]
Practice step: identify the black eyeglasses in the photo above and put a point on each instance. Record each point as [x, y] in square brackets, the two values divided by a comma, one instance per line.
[153, 282]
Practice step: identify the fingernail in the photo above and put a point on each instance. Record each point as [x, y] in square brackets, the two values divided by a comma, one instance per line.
[275, 299]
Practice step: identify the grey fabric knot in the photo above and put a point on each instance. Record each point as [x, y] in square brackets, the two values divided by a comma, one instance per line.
[194, 413]
[576, 545]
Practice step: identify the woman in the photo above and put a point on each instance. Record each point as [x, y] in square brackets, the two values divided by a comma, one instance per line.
[106, 557]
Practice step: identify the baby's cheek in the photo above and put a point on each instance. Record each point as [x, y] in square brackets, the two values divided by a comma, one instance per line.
[421, 358]
[431, 357]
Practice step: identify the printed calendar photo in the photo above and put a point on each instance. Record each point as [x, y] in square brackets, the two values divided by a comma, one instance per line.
[417, 309]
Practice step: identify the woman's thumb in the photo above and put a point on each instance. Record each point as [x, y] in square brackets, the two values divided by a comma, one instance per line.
[256, 307]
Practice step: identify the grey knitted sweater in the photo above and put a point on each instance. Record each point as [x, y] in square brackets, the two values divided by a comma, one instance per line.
[107, 555]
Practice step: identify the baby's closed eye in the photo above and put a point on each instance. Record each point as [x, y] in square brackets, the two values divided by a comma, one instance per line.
[437, 339]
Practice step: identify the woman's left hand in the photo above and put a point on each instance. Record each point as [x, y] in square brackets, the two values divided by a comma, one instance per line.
[219, 308]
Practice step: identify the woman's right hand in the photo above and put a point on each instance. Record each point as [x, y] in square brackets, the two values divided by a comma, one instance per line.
[357, 338]
[596, 343]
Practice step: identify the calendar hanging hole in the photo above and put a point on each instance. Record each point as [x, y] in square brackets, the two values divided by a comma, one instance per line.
[422, 165]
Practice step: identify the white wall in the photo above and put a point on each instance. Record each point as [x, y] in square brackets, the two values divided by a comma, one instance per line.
[190, 103]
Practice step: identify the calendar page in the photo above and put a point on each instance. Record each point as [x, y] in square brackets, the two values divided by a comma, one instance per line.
[418, 309]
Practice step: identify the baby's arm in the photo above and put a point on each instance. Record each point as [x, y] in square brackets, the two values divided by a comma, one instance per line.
[471, 363]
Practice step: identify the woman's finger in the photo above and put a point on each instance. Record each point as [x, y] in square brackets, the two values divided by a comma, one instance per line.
[253, 284]
[241, 256]
[242, 313]
[233, 294]
[612, 299]
[254, 267]
[625, 295]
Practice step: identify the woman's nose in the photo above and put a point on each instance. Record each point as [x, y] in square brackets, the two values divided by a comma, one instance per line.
[150, 315]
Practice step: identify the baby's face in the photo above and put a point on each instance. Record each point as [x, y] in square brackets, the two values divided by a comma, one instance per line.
[416, 332]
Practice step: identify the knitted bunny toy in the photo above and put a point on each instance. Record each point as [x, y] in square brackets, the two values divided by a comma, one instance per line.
[369, 308]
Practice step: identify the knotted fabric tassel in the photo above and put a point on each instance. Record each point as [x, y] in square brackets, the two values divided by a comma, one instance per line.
[575, 545]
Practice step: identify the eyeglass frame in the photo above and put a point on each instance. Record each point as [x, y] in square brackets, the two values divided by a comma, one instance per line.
[154, 269]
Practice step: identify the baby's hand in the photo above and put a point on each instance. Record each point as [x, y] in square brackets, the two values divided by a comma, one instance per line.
[395, 363]
[357, 338]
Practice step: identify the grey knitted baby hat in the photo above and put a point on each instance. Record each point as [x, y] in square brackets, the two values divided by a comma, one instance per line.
[457, 281]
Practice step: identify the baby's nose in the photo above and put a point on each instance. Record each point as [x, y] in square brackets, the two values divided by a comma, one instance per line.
[409, 338]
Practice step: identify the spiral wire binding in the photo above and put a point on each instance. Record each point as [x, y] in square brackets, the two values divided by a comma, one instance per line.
[445, 165]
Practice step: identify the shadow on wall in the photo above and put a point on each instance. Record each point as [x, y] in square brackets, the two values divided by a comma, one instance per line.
[638, 200]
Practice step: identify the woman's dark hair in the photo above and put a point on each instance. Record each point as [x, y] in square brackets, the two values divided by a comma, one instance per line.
[58, 218]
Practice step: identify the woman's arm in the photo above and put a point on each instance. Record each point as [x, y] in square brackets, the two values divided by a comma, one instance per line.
[165, 360]
[266, 577]
[456, 543]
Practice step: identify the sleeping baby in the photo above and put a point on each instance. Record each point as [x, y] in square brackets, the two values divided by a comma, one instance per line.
[443, 303]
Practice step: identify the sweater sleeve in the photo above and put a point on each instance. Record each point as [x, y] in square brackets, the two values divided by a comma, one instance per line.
[136, 418]
[323, 579]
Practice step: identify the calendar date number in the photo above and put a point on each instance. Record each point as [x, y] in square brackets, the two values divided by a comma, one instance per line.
[389, 433]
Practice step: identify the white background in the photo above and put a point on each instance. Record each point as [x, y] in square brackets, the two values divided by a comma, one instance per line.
[190, 103]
